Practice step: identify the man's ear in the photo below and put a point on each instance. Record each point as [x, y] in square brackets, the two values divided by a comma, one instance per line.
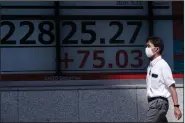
[157, 49]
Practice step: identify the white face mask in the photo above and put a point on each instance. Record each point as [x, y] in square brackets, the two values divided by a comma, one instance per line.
[149, 52]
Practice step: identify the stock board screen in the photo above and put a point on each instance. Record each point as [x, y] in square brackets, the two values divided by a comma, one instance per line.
[94, 46]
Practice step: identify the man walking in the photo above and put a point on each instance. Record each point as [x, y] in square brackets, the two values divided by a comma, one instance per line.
[160, 83]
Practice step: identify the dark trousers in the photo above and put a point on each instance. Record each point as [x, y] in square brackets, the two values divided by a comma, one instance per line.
[158, 108]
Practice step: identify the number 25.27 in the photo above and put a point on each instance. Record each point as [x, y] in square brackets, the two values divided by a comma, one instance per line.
[86, 29]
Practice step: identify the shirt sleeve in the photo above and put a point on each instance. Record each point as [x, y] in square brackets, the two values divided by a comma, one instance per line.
[167, 75]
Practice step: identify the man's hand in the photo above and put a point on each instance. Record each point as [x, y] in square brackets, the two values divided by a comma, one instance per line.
[177, 113]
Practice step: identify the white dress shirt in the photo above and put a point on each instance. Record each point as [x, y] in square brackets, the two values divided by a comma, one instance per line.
[159, 78]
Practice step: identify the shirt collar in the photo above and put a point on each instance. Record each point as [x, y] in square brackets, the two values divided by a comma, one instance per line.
[153, 62]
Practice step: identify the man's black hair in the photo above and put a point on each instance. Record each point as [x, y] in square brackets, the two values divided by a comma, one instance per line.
[157, 42]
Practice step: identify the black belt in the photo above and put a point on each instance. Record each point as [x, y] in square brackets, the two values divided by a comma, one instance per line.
[153, 98]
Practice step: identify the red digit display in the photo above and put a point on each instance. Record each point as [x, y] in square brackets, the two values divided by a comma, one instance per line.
[96, 56]
[123, 65]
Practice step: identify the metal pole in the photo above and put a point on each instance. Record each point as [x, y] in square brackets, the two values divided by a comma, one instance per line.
[57, 35]
[150, 19]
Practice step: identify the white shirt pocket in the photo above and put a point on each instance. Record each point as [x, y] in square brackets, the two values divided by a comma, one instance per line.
[155, 81]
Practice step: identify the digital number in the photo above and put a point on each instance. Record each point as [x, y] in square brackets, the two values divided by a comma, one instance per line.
[67, 39]
[138, 58]
[122, 2]
[72, 32]
[136, 32]
[98, 58]
[84, 58]
[136, 3]
[31, 28]
[46, 32]
[95, 57]
[86, 30]
[114, 40]
[129, 3]
[121, 54]
[30, 32]
[5, 40]
[118, 59]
